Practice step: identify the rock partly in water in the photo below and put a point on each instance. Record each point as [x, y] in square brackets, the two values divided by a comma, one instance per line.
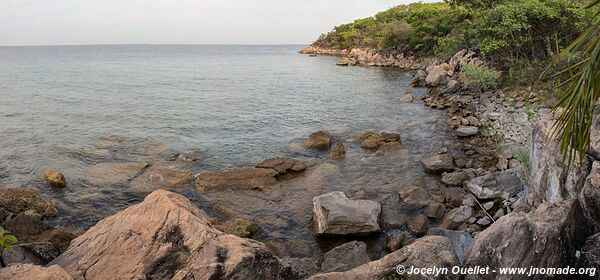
[414, 198]
[30, 271]
[318, 140]
[437, 75]
[375, 140]
[335, 214]
[114, 173]
[162, 177]
[428, 251]
[17, 201]
[165, 237]
[55, 178]
[283, 166]
[345, 257]
[438, 163]
[245, 178]
[339, 152]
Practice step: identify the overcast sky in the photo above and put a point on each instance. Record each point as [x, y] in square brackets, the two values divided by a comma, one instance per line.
[64, 22]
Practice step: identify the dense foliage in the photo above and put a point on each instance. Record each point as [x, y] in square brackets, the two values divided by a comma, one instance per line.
[505, 31]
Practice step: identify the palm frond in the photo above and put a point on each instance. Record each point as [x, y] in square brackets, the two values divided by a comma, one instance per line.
[578, 101]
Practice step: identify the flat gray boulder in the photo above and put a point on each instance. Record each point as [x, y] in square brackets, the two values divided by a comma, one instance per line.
[335, 214]
[504, 184]
[465, 131]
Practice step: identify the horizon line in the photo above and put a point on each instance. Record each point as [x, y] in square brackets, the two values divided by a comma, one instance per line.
[151, 44]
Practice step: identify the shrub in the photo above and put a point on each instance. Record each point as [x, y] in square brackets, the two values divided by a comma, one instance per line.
[480, 76]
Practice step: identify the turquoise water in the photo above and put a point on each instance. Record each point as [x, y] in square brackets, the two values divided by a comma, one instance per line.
[237, 105]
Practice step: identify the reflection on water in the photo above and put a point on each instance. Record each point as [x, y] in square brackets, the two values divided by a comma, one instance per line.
[236, 105]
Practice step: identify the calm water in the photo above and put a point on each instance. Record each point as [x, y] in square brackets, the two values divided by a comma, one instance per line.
[237, 105]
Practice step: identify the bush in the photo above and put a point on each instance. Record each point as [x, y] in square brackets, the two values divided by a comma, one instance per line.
[480, 77]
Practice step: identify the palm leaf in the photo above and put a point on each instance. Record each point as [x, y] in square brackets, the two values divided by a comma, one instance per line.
[578, 100]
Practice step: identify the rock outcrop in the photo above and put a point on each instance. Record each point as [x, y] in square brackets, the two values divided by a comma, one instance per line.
[551, 180]
[165, 237]
[335, 214]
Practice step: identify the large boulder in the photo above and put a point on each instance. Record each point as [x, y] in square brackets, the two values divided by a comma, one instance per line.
[548, 237]
[591, 252]
[30, 271]
[550, 179]
[245, 178]
[428, 251]
[165, 237]
[456, 217]
[318, 140]
[18, 201]
[162, 177]
[438, 163]
[345, 257]
[114, 173]
[335, 214]
[437, 75]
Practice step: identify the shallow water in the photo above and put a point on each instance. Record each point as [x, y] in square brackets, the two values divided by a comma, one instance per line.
[237, 105]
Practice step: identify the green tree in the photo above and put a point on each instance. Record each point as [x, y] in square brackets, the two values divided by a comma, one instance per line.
[6, 243]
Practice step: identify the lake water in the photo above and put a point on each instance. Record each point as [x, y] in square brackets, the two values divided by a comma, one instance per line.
[237, 105]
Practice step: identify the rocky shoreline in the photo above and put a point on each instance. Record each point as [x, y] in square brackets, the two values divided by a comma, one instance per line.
[504, 199]
[366, 57]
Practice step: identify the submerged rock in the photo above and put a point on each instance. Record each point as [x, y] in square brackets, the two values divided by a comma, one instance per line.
[335, 214]
[30, 271]
[245, 178]
[345, 257]
[298, 268]
[114, 173]
[165, 237]
[55, 178]
[318, 140]
[162, 177]
[429, 251]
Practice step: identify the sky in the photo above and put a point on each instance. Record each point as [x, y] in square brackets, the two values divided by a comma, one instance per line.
[75, 22]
